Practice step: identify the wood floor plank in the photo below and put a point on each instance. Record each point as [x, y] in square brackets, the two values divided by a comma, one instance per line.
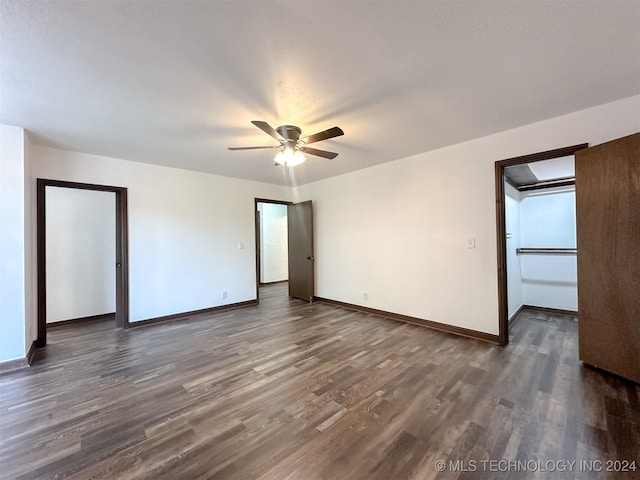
[294, 390]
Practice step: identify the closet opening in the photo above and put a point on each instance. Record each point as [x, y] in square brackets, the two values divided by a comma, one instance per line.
[536, 226]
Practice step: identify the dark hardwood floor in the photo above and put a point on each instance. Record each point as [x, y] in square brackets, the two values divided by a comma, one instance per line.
[288, 390]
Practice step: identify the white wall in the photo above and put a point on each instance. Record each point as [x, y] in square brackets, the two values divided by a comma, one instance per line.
[12, 244]
[548, 219]
[185, 229]
[398, 230]
[514, 275]
[81, 253]
[274, 261]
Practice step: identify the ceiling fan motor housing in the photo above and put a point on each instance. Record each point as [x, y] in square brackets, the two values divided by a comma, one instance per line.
[291, 135]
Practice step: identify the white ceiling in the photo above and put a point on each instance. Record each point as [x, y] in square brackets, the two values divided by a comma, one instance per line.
[176, 83]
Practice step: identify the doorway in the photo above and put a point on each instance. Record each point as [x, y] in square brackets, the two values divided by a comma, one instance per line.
[72, 204]
[297, 226]
[272, 249]
[536, 263]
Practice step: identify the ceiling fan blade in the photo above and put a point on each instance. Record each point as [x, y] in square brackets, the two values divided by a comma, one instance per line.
[319, 153]
[324, 135]
[266, 128]
[252, 148]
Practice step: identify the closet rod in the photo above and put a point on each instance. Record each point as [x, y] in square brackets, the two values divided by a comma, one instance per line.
[555, 251]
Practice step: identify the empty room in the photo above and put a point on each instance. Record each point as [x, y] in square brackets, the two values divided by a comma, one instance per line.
[319, 240]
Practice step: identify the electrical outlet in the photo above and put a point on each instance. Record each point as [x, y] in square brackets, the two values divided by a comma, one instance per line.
[471, 242]
[365, 296]
[241, 246]
[224, 294]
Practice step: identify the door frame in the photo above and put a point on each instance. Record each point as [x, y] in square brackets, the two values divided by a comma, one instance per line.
[501, 229]
[257, 236]
[122, 251]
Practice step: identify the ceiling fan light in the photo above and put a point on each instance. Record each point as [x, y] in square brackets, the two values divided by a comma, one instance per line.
[289, 157]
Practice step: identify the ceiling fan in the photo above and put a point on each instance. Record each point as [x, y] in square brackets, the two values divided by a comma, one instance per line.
[291, 145]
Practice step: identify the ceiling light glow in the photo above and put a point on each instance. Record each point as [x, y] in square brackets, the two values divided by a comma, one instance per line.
[289, 157]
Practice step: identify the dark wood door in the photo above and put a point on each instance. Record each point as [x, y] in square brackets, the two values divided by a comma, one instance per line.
[608, 230]
[301, 260]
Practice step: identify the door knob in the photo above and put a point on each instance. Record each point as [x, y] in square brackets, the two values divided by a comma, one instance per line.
[310, 258]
